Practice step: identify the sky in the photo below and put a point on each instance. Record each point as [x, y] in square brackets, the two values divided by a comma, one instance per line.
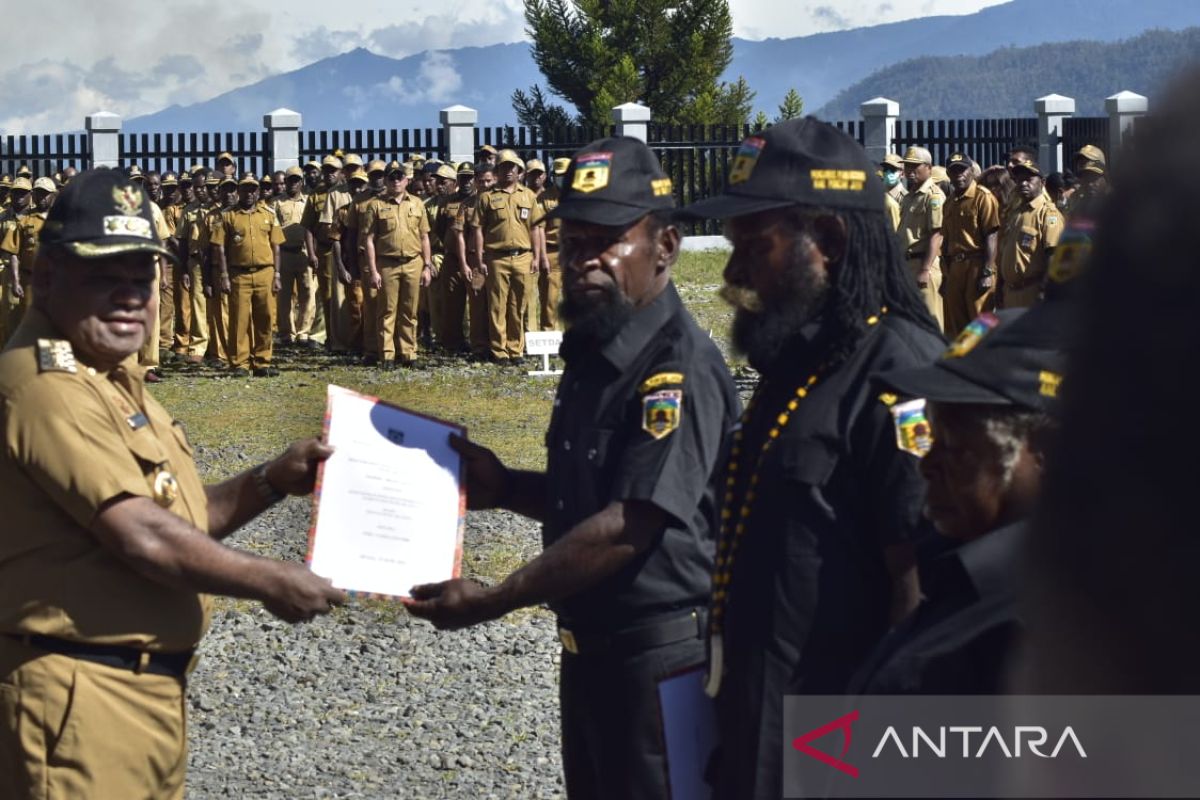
[134, 57]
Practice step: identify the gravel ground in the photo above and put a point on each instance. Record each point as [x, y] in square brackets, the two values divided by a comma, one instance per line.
[369, 702]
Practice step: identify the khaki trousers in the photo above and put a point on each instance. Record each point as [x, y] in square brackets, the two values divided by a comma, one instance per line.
[356, 307]
[296, 299]
[339, 325]
[401, 292]
[961, 302]
[218, 327]
[166, 306]
[480, 320]
[197, 342]
[1024, 297]
[370, 318]
[931, 294]
[181, 338]
[508, 284]
[549, 293]
[73, 729]
[251, 315]
[148, 355]
[451, 291]
[317, 332]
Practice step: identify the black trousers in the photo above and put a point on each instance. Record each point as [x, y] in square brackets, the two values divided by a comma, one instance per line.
[612, 738]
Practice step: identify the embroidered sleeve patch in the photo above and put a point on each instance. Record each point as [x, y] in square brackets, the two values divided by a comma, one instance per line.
[661, 379]
[661, 412]
[913, 432]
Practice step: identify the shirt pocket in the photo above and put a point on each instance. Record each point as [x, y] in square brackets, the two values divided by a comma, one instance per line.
[806, 466]
[385, 225]
[592, 468]
[524, 212]
[1028, 238]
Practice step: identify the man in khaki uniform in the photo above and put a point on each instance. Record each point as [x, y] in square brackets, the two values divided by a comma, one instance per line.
[445, 184]
[333, 280]
[1027, 239]
[223, 189]
[192, 235]
[296, 300]
[181, 321]
[365, 187]
[891, 172]
[505, 242]
[549, 277]
[112, 543]
[246, 248]
[226, 168]
[20, 243]
[16, 205]
[970, 229]
[475, 269]
[451, 282]
[398, 264]
[921, 228]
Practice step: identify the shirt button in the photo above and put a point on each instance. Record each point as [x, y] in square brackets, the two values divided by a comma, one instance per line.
[567, 445]
[559, 505]
[592, 454]
[92, 371]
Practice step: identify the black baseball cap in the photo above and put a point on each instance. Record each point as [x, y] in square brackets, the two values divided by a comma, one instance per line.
[614, 181]
[958, 161]
[1007, 358]
[797, 162]
[102, 213]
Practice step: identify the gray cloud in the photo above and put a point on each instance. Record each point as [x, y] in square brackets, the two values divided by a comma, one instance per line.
[323, 43]
[831, 17]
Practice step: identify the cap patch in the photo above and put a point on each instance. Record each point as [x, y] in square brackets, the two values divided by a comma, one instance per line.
[913, 432]
[840, 180]
[660, 412]
[661, 187]
[972, 335]
[128, 200]
[1049, 383]
[746, 158]
[591, 172]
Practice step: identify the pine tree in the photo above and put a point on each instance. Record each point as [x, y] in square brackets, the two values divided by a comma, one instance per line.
[791, 107]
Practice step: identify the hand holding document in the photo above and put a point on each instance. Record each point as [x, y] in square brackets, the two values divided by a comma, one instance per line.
[390, 501]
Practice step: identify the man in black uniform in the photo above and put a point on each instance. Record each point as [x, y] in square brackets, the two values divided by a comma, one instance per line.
[991, 403]
[627, 499]
[819, 509]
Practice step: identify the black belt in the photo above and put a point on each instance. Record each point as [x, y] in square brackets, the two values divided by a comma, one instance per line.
[172, 665]
[254, 268]
[689, 625]
[291, 248]
[957, 257]
[520, 251]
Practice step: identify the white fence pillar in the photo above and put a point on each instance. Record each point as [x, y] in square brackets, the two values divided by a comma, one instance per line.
[104, 138]
[1123, 108]
[632, 119]
[284, 126]
[879, 127]
[1051, 111]
[458, 126]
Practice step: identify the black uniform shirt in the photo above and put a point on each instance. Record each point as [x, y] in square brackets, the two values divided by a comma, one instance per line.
[810, 592]
[960, 639]
[599, 451]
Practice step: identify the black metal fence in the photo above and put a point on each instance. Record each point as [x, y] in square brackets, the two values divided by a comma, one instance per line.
[395, 144]
[178, 152]
[985, 140]
[44, 154]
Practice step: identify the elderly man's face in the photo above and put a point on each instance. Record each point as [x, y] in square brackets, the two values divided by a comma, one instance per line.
[103, 306]
[609, 271]
[975, 484]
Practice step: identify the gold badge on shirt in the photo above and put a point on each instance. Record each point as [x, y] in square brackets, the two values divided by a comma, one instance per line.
[166, 488]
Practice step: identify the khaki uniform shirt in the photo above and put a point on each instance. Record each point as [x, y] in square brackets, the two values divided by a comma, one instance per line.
[74, 439]
[397, 224]
[352, 220]
[967, 220]
[507, 218]
[432, 206]
[1032, 230]
[920, 218]
[173, 216]
[547, 202]
[290, 212]
[449, 224]
[311, 219]
[248, 235]
[892, 209]
[21, 239]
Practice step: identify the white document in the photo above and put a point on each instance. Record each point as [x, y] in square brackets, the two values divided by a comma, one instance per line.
[390, 501]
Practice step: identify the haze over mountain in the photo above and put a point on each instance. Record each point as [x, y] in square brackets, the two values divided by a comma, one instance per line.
[360, 89]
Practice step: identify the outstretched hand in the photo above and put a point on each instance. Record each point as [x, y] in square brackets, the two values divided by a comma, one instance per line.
[453, 604]
[295, 472]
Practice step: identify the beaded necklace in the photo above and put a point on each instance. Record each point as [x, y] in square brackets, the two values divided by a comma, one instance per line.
[733, 527]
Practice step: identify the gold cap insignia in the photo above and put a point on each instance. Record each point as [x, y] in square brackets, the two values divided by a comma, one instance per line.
[128, 200]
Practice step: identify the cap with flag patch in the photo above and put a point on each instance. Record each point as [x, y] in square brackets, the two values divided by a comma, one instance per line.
[614, 181]
[797, 162]
[102, 213]
[1010, 358]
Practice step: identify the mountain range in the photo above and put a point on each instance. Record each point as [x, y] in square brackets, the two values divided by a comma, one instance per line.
[360, 89]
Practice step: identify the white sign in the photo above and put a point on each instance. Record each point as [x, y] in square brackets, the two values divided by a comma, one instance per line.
[544, 344]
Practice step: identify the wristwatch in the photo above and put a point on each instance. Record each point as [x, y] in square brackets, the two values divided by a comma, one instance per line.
[266, 491]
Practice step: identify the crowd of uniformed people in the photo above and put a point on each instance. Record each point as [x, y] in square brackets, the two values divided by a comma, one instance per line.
[857, 527]
[373, 261]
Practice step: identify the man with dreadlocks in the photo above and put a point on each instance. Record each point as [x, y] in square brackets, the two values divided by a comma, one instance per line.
[820, 509]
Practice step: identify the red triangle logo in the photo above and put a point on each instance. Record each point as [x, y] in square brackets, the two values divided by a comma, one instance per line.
[842, 724]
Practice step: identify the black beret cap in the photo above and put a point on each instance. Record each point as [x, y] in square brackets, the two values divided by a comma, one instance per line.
[797, 162]
[614, 181]
[102, 213]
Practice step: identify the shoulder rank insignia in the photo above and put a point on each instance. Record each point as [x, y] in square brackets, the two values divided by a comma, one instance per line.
[888, 399]
[971, 335]
[913, 434]
[660, 412]
[661, 379]
[56, 355]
